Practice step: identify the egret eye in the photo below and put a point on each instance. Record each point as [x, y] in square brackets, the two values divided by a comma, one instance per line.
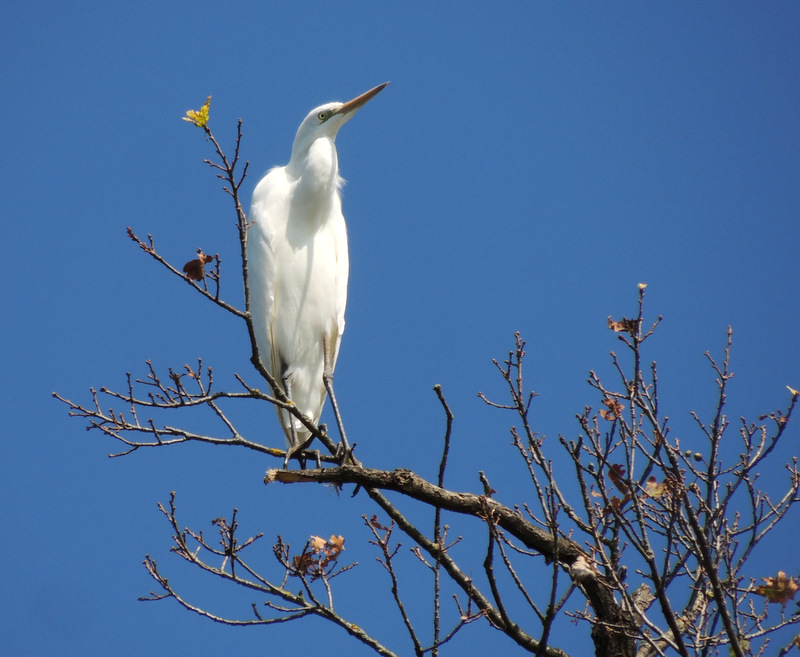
[322, 116]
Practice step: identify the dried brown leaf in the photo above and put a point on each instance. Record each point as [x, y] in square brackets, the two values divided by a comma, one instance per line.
[655, 489]
[616, 473]
[624, 325]
[614, 409]
[335, 545]
[373, 521]
[778, 589]
[196, 269]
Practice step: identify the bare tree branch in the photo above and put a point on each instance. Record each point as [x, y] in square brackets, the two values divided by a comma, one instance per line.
[682, 522]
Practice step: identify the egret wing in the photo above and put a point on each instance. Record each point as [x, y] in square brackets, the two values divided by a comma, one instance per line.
[342, 275]
[264, 212]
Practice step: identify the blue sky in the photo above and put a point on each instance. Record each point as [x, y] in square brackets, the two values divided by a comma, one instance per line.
[529, 165]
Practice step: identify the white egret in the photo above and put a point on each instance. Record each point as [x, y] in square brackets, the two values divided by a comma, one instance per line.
[298, 267]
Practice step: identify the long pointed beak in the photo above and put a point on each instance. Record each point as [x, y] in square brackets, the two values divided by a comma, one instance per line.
[352, 105]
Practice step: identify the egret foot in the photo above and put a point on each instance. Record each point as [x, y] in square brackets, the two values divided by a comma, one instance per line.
[298, 452]
[289, 454]
[344, 454]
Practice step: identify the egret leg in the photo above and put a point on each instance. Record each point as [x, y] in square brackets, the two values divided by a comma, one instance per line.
[294, 447]
[327, 379]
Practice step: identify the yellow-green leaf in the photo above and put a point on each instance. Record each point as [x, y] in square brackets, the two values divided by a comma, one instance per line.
[199, 117]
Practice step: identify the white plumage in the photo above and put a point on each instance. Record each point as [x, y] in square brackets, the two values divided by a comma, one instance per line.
[298, 266]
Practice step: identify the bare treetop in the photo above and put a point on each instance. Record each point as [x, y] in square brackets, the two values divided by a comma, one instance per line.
[645, 542]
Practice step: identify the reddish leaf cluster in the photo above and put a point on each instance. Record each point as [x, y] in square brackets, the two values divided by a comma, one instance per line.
[373, 522]
[322, 554]
[616, 474]
[196, 269]
[652, 488]
[778, 589]
[614, 409]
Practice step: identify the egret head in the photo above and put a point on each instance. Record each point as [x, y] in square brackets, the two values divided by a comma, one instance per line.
[325, 120]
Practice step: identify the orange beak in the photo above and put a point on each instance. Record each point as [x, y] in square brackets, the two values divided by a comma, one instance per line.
[360, 101]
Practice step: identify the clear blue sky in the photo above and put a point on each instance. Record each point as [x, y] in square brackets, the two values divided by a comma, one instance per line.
[528, 166]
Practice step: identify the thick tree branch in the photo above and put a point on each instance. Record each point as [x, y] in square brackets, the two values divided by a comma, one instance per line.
[412, 485]
[561, 549]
